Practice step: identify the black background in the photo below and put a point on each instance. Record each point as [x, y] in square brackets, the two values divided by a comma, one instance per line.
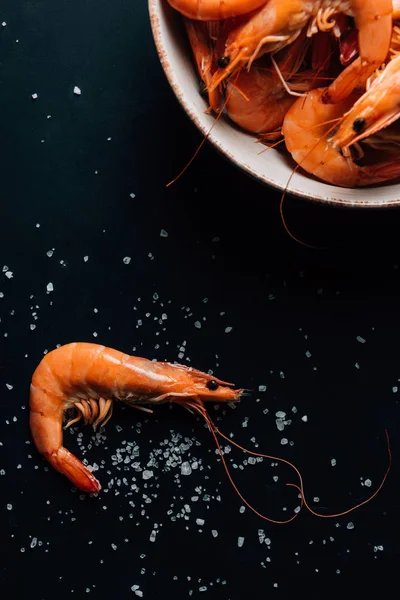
[281, 299]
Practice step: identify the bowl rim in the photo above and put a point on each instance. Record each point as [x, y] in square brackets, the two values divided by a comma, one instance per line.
[154, 14]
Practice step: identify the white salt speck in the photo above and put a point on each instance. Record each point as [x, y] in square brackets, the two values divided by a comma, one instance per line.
[200, 522]
[284, 441]
[360, 339]
[282, 375]
[357, 366]
[33, 542]
[240, 541]
[153, 536]
[9, 274]
[85, 258]
[203, 588]
[114, 546]
[34, 96]
[305, 418]
[197, 324]
[350, 525]
[9, 386]
[308, 354]
[395, 389]
[50, 253]
[163, 233]
[126, 260]
[242, 509]
[9, 506]
[77, 91]
[32, 326]
[95, 334]
[333, 462]
[186, 469]
[147, 474]
[294, 409]
[132, 195]
[4, 24]
[262, 388]
[214, 533]
[368, 482]
[378, 548]
[228, 329]
[280, 414]
[49, 288]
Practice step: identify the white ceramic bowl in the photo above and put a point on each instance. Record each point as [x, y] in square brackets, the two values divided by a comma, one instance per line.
[271, 167]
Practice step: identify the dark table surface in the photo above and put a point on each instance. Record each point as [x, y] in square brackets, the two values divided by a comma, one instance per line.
[83, 185]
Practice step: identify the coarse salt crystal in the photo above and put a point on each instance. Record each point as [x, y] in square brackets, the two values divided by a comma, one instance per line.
[333, 462]
[350, 525]
[9, 386]
[197, 324]
[49, 287]
[163, 233]
[77, 91]
[9, 274]
[228, 329]
[126, 260]
[284, 441]
[200, 522]
[186, 469]
[214, 533]
[280, 414]
[360, 339]
[34, 96]
[368, 482]
[147, 474]
[305, 418]
[262, 388]
[132, 195]
[240, 541]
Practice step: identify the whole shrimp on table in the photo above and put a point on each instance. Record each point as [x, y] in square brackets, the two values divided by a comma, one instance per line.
[89, 378]
[307, 130]
[279, 22]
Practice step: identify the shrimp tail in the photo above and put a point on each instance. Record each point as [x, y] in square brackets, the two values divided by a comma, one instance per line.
[69, 465]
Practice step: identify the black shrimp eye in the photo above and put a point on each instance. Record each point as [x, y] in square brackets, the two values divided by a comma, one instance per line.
[212, 384]
[223, 62]
[358, 125]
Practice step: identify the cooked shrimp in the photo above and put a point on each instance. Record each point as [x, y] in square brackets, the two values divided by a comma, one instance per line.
[373, 20]
[215, 10]
[257, 100]
[377, 108]
[203, 53]
[279, 22]
[306, 130]
[89, 378]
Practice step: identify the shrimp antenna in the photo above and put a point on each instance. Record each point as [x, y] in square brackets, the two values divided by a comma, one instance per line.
[203, 140]
[349, 510]
[199, 407]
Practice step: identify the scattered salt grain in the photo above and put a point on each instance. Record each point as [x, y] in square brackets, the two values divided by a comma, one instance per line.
[197, 324]
[360, 339]
[308, 354]
[126, 260]
[240, 541]
[333, 462]
[33, 542]
[9, 386]
[153, 536]
[262, 388]
[77, 91]
[186, 469]
[350, 525]
[214, 533]
[49, 288]
[284, 441]
[378, 548]
[9, 274]
[34, 96]
[132, 195]
[4, 24]
[228, 329]
[305, 418]
[368, 482]
[147, 474]
[163, 233]
[200, 522]
[9, 506]
[85, 258]
[280, 414]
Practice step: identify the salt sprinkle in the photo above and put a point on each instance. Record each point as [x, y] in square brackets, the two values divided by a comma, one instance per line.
[77, 91]
[126, 260]
[360, 339]
[9, 386]
[34, 96]
[214, 533]
[49, 288]
[197, 324]
[200, 522]
[147, 474]
[350, 525]
[186, 469]
[132, 195]
[305, 418]
[163, 233]
[228, 329]
[333, 462]
[262, 388]
[368, 482]
[284, 441]
[240, 541]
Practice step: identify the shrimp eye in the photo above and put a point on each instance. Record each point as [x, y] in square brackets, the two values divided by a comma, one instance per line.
[223, 62]
[358, 125]
[212, 384]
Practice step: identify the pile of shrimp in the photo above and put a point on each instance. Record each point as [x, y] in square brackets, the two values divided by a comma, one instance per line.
[319, 78]
[87, 379]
